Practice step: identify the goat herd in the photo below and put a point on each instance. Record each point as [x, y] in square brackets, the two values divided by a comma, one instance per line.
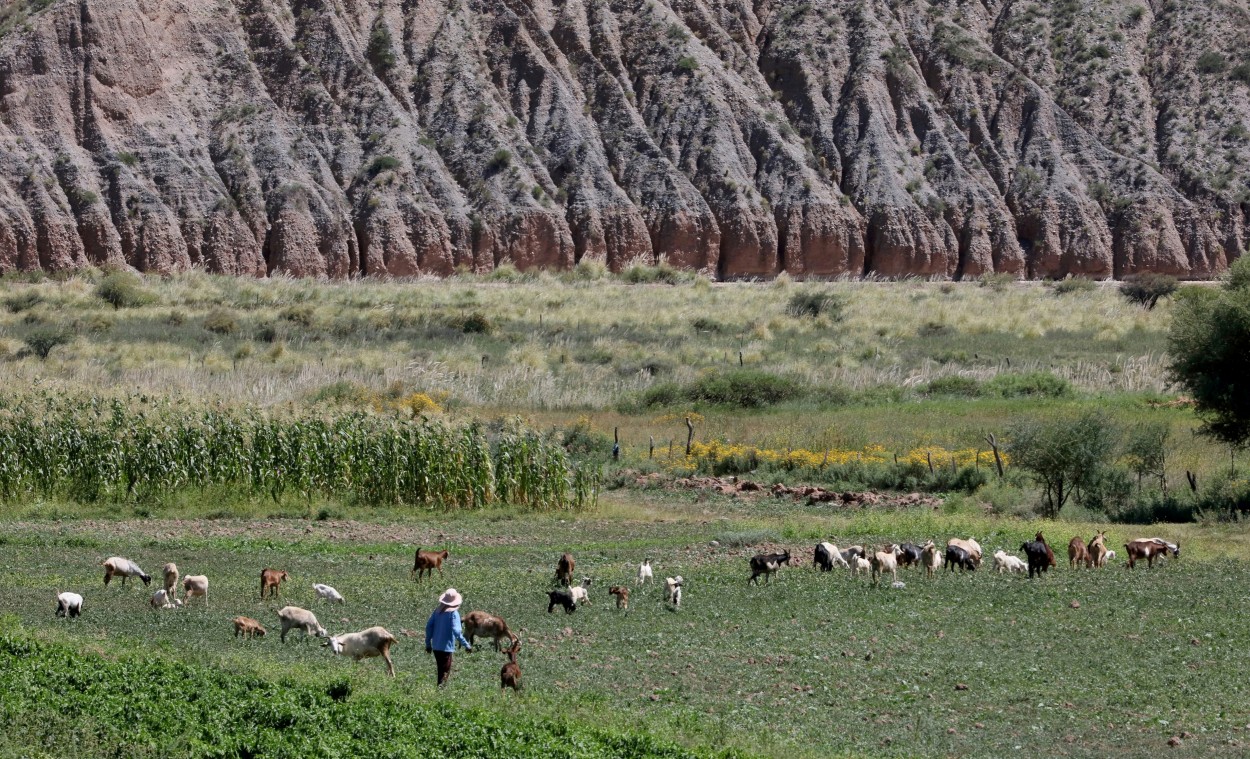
[376, 641]
[966, 554]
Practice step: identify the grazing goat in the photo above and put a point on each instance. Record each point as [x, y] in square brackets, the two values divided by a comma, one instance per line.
[580, 592]
[931, 557]
[970, 547]
[195, 585]
[426, 562]
[1040, 557]
[328, 593]
[622, 596]
[1149, 549]
[510, 675]
[853, 552]
[1005, 562]
[644, 572]
[1173, 548]
[68, 605]
[958, 557]
[270, 579]
[885, 561]
[117, 566]
[247, 627]
[477, 623]
[1097, 550]
[170, 571]
[366, 644]
[672, 590]
[827, 556]
[295, 618]
[1078, 554]
[561, 598]
[163, 600]
[766, 564]
[859, 565]
[909, 554]
[564, 569]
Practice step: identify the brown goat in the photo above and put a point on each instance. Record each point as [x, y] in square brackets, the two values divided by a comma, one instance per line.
[510, 675]
[270, 579]
[1148, 549]
[487, 625]
[1078, 554]
[247, 627]
[622, 596]
[564, 569]
[426, 562]
[1097, 549]
[171, 579]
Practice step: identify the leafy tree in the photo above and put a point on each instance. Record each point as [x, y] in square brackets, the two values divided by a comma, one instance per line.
[1147, 289]
[1210, 348]
[1064, 456]
[1146, 451]
[43, 340]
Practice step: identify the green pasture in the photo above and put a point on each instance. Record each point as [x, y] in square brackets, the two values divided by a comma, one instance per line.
[811, 665]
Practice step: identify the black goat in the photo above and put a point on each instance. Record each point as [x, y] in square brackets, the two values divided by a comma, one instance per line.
[563, 598]
[910, 554]
[1039, 556]
[765, 564]
[958, 557]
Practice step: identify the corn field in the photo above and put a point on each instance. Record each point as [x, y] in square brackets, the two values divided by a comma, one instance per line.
[95, 449]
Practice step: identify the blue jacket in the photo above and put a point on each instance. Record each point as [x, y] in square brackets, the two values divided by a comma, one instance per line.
[443, 630]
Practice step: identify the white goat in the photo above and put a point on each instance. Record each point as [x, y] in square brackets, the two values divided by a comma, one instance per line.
[68, 604]
[195, 585]
[293, 617]
[885, 561]
[579, 592]
[644, 572]
[672, 590]
[1005, 562]
[1110, 555]
[931, 558]
[859, 565]
[163, 599]
[328, 593]
[117, 566]
[375, 641]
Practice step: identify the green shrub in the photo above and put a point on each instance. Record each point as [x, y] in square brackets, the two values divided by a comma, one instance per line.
[659, 395]
[343, 393]
[996, 280]
[303, 315]
[1147, 289]
[1064, 456]
[477, 323]
[813, 303]
[500, 160]
[661, 273]
[707, 324]
[123, 290]
[1073, 285]
[964, 387]
[383, 163]
[1240, 73]
[687, 64]
[221, 321]
[23, 301]
[743, 388]
[1211, 62]
[1039, 384]
[41, 341]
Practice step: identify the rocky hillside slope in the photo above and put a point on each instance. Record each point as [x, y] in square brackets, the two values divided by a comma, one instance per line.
[338, 137]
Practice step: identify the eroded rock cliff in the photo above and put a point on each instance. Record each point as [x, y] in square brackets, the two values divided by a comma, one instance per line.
[343, 137]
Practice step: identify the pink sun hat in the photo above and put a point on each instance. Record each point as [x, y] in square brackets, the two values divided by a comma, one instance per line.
[450, 600]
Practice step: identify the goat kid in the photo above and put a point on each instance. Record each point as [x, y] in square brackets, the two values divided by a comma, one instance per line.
[195, 585]
[510, 674]
[622, 596]
[885, 561]
[581, 593]
[644, 572]
[270, 579]
[564, 569]
[328, 593]
[295, 618]
[1005, 562]
[672, 590]
[561, 598]
[248, 628]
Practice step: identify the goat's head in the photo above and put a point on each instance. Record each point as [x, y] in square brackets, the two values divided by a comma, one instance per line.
[585, 582]
[785, 558]
[334, 644]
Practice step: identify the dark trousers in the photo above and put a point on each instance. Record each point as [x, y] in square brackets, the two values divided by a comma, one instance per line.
[443, 660]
